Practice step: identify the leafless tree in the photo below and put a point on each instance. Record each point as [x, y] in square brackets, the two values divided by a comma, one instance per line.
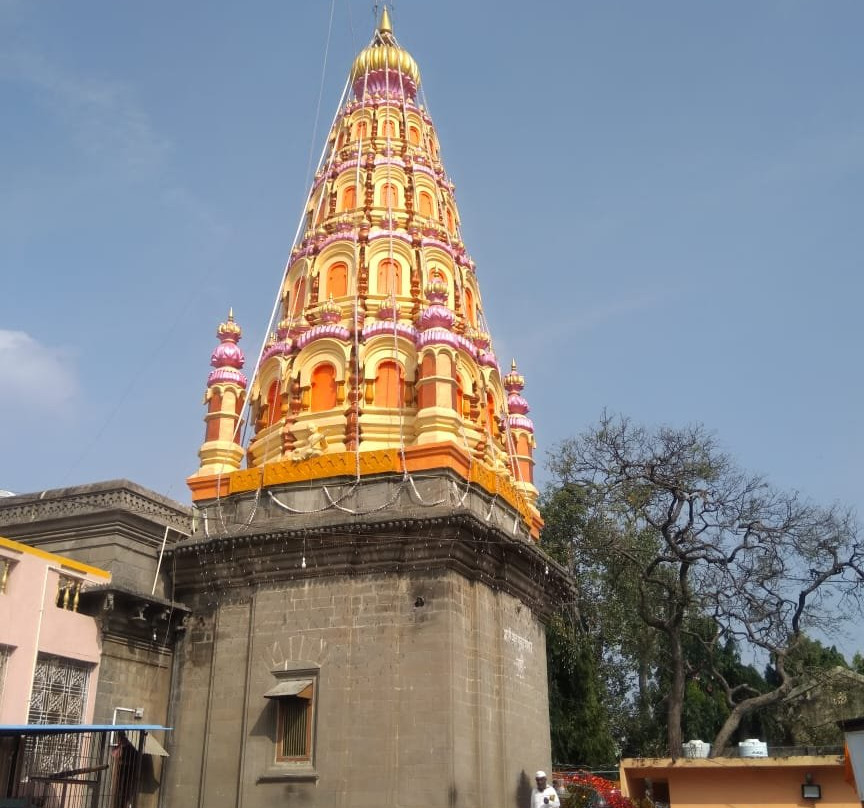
[795, 569]
[701, 538]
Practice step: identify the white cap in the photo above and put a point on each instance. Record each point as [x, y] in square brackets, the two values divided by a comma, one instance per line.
[539, 775]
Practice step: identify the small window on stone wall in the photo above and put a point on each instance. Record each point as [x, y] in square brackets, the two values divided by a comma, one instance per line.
[294, 697]
[389, 277]
[337, 280]
[274, 403]
[294, 306]
[294, 732]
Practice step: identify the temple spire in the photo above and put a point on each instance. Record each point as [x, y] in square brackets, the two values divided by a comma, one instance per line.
[381, 360]
[385, 26]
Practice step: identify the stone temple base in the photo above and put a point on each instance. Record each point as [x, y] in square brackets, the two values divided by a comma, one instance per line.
[418, 631]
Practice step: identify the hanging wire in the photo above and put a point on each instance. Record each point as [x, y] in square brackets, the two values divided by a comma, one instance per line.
[320, 95]
[391, 254]
[351, 26]
[357, 268]
[293, 310]
[276, 306]
[241, 425]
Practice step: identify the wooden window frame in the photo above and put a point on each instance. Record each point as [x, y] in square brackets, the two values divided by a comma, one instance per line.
[293, 681]
[286, 706]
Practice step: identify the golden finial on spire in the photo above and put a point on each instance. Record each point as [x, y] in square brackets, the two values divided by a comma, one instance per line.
[229, 329]
[514, 381]
[384, 54]
[385, 26]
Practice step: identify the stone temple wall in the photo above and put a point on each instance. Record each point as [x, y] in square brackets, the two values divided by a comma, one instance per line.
[431, 691]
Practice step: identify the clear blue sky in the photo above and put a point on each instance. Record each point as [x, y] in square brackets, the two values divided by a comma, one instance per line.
[665, 201]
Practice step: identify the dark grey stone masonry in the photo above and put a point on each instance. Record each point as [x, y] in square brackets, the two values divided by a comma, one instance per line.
[419, 614]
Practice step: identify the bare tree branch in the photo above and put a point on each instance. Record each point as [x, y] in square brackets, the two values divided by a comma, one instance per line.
[703, 539]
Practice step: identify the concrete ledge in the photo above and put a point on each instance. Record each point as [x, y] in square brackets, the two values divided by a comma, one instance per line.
[280, 776]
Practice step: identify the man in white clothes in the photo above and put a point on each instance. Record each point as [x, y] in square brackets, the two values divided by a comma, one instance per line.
[543, 796]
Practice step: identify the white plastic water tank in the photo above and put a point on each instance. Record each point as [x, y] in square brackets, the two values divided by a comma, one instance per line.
[752, 748]
[697, 749]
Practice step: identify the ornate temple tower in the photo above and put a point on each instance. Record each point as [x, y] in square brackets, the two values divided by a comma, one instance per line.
[367, 593]
[380, 359]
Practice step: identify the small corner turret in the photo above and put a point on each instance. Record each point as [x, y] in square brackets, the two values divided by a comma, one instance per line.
[225, 396]
[520, 434]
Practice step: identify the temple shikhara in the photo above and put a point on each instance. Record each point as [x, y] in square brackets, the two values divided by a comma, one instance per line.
[352, 612]
[380, 359]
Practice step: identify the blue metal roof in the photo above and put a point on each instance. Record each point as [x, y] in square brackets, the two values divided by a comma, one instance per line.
[53, 729]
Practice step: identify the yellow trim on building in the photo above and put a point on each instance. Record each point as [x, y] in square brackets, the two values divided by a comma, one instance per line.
[62, 561]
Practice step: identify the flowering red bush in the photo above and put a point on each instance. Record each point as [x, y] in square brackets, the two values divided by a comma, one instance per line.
[582, 787]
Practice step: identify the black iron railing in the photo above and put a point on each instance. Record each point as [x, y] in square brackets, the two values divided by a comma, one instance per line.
[77, 766]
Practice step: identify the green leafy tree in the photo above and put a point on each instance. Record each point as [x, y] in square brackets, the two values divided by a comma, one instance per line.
[807, 659]
[582, 685]
[580, 726]
[598, 650]
[711, 666]
[810, 662]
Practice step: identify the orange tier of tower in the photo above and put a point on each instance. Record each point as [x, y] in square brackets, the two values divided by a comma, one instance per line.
[379, 361]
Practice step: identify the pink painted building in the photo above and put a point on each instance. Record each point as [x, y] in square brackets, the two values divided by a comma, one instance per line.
[49, 652]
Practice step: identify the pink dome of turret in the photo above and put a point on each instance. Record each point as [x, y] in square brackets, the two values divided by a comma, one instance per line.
[517, 406]
[436, 315]
[514, 383]
[228, 358]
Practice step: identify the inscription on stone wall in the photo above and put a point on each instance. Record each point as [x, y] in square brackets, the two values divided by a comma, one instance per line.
[522, 646]
[520, 642]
